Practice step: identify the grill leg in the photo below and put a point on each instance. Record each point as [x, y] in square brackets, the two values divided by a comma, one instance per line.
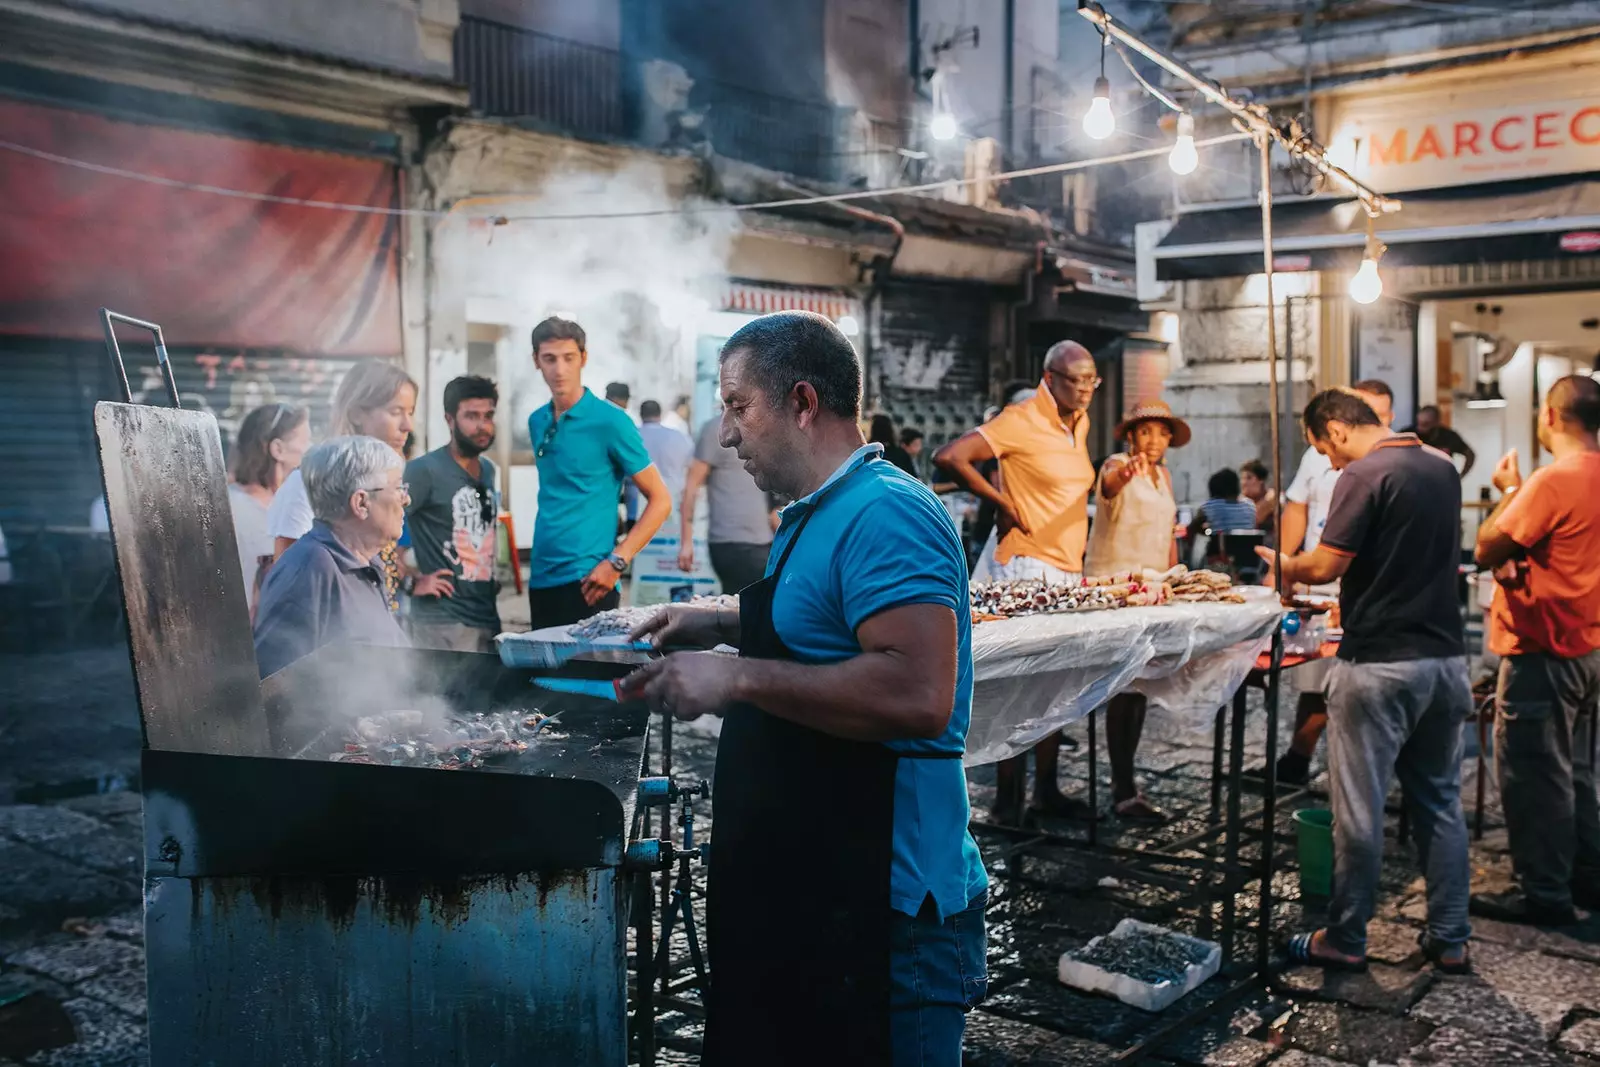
[644, 1012]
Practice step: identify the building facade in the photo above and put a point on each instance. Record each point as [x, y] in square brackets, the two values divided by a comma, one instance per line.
[1487, 129]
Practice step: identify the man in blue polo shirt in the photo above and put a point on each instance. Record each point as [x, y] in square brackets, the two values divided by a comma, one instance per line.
[585, 450]
[841, 802]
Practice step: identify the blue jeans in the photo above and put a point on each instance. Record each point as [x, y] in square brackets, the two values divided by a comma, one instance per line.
[938, 973]
[1400, 718]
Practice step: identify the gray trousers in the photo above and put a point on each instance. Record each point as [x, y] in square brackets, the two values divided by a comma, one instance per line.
[1544, 719]
[1400, 718]
[451, 636]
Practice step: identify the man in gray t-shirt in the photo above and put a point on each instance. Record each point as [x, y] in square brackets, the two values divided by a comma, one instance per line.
[741, 514]
[452, 520]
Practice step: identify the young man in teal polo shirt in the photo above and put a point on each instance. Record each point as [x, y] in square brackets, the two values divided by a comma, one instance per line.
[841, 802]
[585, 450]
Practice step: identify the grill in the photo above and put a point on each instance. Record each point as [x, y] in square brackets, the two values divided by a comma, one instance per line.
[302, 911]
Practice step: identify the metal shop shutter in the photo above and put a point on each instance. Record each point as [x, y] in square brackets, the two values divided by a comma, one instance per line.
[933, 337]
[49, 472]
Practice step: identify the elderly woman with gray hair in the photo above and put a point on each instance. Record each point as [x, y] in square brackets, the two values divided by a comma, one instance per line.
[328, 586]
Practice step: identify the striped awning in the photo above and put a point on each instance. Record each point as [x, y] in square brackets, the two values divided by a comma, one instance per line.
[754, 299]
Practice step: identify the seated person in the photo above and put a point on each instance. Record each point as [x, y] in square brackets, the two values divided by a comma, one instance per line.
[1225, 511]
[328, 586]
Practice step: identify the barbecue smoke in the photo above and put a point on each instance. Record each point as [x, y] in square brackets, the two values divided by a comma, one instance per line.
[317, 702]
[637, 285]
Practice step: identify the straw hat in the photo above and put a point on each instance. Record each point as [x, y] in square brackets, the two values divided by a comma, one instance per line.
[1147, 410]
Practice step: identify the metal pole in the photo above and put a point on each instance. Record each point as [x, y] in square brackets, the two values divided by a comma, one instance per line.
[1255, 118]
[1270, 771]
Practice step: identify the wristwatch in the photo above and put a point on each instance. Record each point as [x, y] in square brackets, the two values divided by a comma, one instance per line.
[618, 562]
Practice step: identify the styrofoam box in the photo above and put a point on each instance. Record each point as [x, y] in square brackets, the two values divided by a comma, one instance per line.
[1150, 997]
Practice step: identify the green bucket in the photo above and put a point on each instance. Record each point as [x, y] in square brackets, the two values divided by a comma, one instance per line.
[1314, 830]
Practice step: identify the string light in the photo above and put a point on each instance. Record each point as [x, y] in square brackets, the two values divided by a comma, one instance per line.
[943, 126]
[1184, 158]
[1098, 122]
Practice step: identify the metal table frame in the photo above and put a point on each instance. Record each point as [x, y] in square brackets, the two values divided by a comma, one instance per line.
[1198, 877]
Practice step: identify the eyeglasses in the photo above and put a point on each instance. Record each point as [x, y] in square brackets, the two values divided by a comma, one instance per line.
[404, 488]
[549, 436]
[1077, 382]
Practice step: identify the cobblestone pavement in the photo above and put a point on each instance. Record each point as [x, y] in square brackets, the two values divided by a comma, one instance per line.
[70, 925]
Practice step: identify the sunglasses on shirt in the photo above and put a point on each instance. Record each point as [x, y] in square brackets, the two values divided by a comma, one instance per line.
[549, 436]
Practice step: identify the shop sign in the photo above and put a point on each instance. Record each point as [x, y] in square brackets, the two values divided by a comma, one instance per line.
[1480, 145]
[1581, 242]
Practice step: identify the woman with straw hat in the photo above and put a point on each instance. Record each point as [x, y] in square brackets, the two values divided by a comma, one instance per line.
[1135, 513]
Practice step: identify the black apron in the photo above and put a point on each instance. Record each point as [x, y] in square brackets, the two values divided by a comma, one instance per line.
[797, 915]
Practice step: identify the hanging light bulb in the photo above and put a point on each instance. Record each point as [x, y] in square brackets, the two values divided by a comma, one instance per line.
[1367, 284]
[943, 126]
[1098, 121]
[1184, 159]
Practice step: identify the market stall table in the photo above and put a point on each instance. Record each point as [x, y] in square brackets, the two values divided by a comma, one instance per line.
[1037, 673]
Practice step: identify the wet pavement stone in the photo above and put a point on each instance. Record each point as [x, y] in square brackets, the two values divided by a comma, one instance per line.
[1390, 989]
[1214, 1046]
[1298, 1058]
[993, 1041]
[1582, 1036]
[36, 824]
[40, 887]
[71, 960]
[106, 1038]
[123, 990]
[1470, 1002]
[106, 849]
[1455, 1047]
[1341, 1032]
[1392, 943]
[106, 805]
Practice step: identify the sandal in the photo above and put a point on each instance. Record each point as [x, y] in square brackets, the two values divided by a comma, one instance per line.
[1448, 959]
[1138, 808]
[1303, 951]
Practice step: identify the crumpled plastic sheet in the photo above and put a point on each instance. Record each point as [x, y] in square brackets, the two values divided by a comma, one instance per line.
[1036, 674]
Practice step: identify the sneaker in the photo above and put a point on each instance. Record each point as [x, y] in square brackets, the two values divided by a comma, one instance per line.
[1513, 906]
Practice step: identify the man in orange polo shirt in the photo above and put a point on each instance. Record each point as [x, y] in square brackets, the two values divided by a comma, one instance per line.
[1042, 512]
[1544, 543]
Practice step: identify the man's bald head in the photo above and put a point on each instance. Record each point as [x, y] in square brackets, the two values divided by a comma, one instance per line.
[1575, 400]
[1064, 354]
[1070, 376]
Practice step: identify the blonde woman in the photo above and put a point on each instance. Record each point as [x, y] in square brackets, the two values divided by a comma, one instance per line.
[376, 399]
[272, 440]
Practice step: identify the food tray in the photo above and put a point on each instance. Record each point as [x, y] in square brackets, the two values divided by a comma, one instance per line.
[1149, 996]
[552, 646]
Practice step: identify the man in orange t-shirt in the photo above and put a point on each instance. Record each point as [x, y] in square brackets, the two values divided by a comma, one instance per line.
[1543, 542]
[1042, 519]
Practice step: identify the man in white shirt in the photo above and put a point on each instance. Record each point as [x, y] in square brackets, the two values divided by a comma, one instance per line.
[1305, 513]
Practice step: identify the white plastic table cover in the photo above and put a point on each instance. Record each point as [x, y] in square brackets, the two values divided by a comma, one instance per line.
[1036, 674]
